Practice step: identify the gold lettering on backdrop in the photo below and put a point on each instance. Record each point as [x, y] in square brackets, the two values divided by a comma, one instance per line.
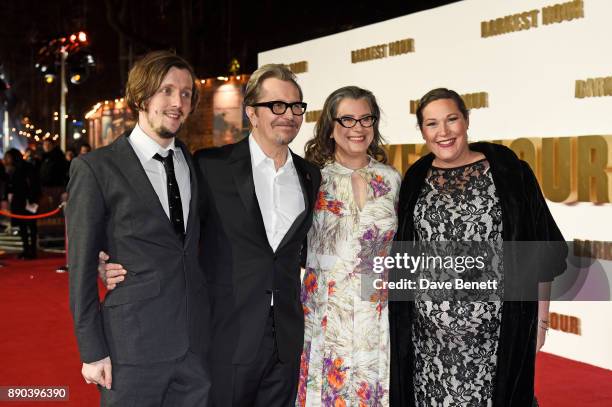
[477, 100]
[525, 150]
[401, 47]
[414, 105]
[313, 115]
[594, 87]
[593, 171]
[367, 54]
[298, 67]
[593, 249]
[558, 176]
[403, 153]
[564, 323]
[527, 20]
[390, 49]
[569, 169]
[508, 24]
[563, 12]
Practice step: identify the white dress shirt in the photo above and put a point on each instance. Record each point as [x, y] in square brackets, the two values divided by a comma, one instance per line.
[145, 148]
[279, 193]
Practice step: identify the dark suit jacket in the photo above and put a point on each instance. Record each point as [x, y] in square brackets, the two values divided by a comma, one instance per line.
[157, 313]
[23, 183]
[241, 268]
[525, 217]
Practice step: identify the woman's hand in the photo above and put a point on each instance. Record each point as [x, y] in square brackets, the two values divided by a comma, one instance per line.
[543, 311]
[542, 331]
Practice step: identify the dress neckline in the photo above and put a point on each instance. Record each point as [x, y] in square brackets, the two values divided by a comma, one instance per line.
[459, 167]
[347, 171]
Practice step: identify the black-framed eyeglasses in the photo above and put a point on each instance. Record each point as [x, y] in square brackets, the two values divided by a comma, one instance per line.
[350, 122]
[279, 107]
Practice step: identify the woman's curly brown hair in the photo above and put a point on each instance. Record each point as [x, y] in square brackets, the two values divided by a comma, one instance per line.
[320, 149]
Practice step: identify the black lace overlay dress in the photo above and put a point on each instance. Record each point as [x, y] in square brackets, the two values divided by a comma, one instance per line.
[455, 342]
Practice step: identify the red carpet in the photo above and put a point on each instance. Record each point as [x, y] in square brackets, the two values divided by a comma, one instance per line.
[562, 382]
[37, 345]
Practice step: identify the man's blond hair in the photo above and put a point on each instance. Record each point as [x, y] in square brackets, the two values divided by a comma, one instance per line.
[147, 75]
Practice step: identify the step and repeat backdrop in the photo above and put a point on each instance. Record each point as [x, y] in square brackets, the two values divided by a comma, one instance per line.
[537, 76]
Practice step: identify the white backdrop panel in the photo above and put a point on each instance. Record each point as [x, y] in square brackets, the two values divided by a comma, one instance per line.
[530, 78]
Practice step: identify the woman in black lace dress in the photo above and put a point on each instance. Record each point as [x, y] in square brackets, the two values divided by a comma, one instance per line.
[468, 353]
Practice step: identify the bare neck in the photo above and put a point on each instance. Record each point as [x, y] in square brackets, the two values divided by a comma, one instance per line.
[468, 157]
[353, 162]
[277, 152]
[144, 125]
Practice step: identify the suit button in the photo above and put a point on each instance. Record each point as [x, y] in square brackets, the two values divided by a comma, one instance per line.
[275, 257]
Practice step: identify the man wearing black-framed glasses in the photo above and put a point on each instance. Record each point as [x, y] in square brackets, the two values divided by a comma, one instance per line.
[256, 207]
[278, 107]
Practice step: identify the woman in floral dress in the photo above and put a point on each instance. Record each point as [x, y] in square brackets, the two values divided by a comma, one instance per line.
[345, 361]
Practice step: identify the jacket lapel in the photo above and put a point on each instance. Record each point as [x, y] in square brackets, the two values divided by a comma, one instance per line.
[305, 181]
[309, 197]
[129, 165]
[242, 171]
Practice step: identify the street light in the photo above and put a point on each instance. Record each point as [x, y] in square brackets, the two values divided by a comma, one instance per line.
[76, 78]
[79, 63]
[70, 51]
[4, 88]
[50, 77]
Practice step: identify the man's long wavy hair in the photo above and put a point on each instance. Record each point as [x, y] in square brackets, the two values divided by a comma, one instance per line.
[320, 149]
[147, 75]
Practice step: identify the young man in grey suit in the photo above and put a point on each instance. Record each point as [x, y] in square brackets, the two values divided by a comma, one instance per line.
[136, 200]
[256, 199]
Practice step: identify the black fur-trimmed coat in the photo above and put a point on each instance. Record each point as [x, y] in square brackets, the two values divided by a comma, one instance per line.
[525, 217]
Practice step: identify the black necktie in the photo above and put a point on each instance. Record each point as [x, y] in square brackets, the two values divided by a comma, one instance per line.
[174, 195]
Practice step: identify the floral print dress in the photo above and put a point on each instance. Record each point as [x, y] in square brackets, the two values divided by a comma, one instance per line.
[345, 361]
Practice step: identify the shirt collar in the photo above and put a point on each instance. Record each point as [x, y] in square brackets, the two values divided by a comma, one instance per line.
[258, 156]
[147, 146]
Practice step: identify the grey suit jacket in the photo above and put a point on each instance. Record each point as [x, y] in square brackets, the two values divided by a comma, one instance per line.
[160, 310]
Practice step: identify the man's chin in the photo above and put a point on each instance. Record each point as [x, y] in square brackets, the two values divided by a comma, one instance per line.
[166, 133]
[284, 139]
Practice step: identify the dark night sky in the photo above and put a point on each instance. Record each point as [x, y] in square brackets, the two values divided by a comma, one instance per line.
[207, 33]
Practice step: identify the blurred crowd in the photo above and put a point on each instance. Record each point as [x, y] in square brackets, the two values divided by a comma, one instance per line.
[34, 182]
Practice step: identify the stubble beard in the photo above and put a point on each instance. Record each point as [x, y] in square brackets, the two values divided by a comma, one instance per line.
[284, 142]
[163, 132]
